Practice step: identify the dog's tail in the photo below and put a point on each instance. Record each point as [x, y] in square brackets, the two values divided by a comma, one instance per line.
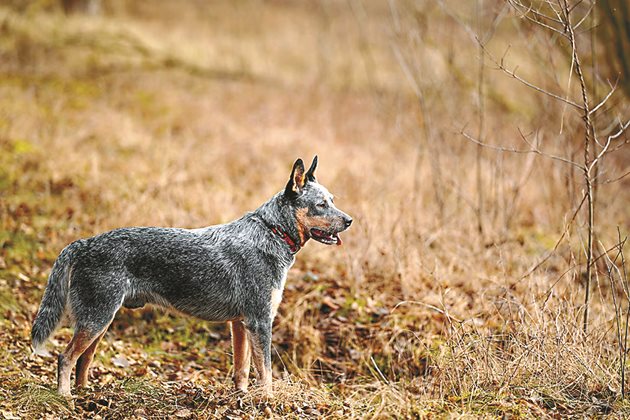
[53, 303]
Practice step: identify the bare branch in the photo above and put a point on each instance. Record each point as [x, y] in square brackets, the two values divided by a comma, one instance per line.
[587, 14]
[595, 161]
[525, 14]
[501, 65]
[619, 178]
[518, 5]
[603, 101]
[513, 150]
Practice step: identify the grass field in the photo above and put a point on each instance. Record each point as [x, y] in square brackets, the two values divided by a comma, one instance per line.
[459, 289]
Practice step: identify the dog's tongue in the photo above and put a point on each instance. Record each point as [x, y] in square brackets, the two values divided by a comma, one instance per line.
[339, 241]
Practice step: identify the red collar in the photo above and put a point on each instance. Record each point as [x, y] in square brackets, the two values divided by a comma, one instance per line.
[286, 238]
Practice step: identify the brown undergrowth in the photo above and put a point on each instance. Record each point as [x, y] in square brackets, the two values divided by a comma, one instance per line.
[132, 118]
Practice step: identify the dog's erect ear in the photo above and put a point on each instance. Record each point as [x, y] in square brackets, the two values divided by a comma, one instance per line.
[310, 175]
[296, 182]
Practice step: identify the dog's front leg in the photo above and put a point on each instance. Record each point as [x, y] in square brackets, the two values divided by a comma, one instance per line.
[260, 341]
[242, 355]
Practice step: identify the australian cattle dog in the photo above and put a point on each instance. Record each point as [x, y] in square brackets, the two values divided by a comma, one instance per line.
[233, 272]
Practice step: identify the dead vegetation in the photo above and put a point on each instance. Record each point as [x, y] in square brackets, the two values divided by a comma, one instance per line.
[188, 115]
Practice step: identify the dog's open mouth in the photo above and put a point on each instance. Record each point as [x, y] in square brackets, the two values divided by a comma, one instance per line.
[327, 238]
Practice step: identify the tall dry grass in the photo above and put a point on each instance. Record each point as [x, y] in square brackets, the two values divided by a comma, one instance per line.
[184, 114]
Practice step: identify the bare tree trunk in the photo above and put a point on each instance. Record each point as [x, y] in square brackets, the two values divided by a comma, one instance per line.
[588, 134]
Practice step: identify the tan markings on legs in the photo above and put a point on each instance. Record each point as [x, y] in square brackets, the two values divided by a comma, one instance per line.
[78, 345]
[83, 364]
[276, 298]
[242, 355]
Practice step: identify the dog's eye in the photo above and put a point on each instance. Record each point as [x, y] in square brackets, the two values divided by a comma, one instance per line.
[322, 205]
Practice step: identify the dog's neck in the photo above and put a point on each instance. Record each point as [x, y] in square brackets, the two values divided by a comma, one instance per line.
[278, 217]
[293, 246]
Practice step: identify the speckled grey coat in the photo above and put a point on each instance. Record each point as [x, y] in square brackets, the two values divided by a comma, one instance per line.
[219, 273]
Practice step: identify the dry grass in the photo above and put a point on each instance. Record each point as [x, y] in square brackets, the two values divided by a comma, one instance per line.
[189, 115]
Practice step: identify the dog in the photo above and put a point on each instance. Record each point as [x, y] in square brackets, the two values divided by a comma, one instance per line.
[233, 272]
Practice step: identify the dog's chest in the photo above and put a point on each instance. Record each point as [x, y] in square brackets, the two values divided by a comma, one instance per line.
[276, 294]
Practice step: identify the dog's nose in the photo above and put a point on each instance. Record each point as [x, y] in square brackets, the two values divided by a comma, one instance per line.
[348, 222]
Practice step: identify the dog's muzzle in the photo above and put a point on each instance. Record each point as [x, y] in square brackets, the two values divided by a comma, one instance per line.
[329, 237]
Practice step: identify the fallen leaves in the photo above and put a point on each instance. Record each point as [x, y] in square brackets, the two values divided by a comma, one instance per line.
[183, 413]
[120, 361]
[8, 415]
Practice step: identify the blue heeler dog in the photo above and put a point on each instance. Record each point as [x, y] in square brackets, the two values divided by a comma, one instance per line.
[233, 272]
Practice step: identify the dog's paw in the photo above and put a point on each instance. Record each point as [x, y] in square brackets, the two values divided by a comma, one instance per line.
[66, 395]
[267, 392]
[241, 386]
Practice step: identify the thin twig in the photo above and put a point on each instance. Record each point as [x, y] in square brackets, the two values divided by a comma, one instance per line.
[501, 66]
[513, 150]
[379, 371]
[623, 128]
[603, 101]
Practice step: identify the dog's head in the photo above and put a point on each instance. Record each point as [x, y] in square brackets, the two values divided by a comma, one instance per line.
[315, 213]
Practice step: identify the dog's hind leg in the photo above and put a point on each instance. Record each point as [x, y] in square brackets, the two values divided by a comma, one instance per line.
[94, 297]
[83, 364]
[80, 342]
[242, 355]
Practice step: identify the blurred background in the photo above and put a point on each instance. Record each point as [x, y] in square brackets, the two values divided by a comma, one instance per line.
[454, 132]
